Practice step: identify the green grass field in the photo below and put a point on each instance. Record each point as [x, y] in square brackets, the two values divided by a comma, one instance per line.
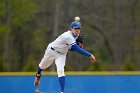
[75, 73]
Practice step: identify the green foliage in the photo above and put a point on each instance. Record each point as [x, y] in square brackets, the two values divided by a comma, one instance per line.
[103, 60]
[1, 64]
[30, 66]
[104, 54]
[95, 67]
[23, 11]
[4, 29]
[68, 68]
[111, 30]
[38, 42]
[2, 9]
[128, 65]
[20, 11]
[15, 14]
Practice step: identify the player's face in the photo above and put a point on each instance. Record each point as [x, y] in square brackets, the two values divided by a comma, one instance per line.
[76, 31]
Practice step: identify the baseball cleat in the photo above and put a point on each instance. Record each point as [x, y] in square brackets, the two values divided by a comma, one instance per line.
[37, 80]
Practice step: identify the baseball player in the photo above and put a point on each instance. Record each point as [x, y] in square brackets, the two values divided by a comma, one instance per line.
[57, 50]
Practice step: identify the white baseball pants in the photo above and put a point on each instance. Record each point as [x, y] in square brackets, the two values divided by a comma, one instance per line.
[51, 56]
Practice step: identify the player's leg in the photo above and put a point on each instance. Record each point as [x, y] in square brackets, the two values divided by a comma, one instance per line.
[46, 61]
[37, 77]
[38, 74]
[60, 63]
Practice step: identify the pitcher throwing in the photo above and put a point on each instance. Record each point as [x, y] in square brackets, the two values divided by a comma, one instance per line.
[57, 50]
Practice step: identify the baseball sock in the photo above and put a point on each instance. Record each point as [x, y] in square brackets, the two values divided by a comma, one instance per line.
[39, 70]
[62, 83]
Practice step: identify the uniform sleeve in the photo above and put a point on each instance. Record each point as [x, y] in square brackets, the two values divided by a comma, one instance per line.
[75, 47]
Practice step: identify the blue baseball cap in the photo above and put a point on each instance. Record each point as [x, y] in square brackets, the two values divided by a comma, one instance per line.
[75, 24]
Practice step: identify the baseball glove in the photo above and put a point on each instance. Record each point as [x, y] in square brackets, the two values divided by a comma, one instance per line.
[80, 41]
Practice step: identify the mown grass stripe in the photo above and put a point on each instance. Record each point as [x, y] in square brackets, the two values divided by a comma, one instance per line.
[73, 73]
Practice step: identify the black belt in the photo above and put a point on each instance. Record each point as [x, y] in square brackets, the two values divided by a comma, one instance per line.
[55, 50]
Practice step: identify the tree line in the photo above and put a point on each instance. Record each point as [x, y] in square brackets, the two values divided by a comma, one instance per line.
[110, 28]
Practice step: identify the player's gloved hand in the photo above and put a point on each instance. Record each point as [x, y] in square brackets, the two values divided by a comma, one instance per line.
[80, 41]
[81, 45]
[92, 58]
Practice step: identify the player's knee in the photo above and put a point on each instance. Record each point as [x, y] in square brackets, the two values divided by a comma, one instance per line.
[60, 72]
[42, 66]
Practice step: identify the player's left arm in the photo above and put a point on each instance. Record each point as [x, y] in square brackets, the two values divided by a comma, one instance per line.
[75, 47]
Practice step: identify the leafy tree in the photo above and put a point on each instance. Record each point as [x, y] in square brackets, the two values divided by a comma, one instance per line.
[14, 15]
